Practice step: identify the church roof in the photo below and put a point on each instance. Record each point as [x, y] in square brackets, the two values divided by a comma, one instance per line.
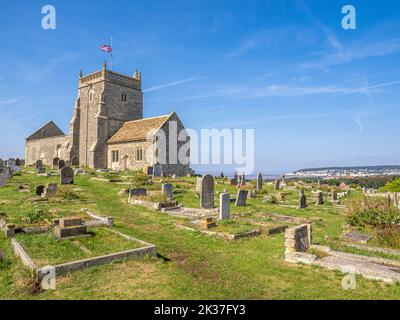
[137, 130]
[49, 130]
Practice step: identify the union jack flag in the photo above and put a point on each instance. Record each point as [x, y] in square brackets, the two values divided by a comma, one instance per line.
[106, 48]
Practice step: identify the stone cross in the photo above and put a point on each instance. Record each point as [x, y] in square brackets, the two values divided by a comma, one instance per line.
[167, 189]
[207, 192]
[67, 175]
[241, 198]
[224, 206]
[259, 181]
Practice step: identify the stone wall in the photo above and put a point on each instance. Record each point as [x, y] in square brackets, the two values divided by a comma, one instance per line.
[127, 155]
[103, 114]
[46, 150]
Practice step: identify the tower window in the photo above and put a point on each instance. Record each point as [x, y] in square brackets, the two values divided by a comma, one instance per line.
[114, 156]
[123, 97]
[90, 96]
[139, 154]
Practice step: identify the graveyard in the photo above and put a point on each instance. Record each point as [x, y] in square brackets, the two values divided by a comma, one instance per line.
[130, 235]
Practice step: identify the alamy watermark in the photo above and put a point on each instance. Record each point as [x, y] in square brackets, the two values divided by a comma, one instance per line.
[209, 146]
[49, 21]
[349, 21]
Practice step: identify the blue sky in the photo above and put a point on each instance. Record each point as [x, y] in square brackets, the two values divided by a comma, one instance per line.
[316, 95]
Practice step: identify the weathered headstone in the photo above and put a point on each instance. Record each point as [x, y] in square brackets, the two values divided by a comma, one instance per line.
[50, 191]
[61, 164]
[137, 192]
[67, 175]
[243, 179]
[167, 189]
[8, 173]
[320, 198]
[39, 164]
[357, 236]
[334, 196]
[298, 239]
[224, 206]
[39, 190]
[69, 227]
[302, 200]
[277, 184]
[259, 181]
[207, 192]
[3, 180]
[157, 170]
[41, 170]
[241, 198]
[233, 182]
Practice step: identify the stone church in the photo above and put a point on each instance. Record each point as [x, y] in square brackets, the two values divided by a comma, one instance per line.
[108, 130]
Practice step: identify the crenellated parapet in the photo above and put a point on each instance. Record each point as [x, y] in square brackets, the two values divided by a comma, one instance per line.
[113, 77]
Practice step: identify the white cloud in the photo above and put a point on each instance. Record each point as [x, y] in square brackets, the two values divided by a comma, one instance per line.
[170, 84]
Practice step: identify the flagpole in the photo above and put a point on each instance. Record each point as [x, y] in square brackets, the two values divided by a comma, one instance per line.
[111, 54]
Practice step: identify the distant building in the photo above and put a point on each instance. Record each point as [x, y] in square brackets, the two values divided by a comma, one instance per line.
[107, 129]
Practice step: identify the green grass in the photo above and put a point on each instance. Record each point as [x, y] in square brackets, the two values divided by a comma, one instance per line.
[45, 249]
[199, 266]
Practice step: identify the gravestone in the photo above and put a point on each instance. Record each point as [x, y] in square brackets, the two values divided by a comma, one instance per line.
[157, 170]
[55, 163]
[298, 239]
[3, 180]
[243, 179]
[18, 162]
[66, 175]
[224, 206]
[69, 227]
[320, 199]
[39, 190]
[198, 185]
[39, 164]
[302, 200]
[357, 236]
[1, 163]
[233, 182]
[137, 192]
[259, 181]
[50, 191]
[41, 170]
[334, 196]
[241, 198]
[8, 173]
[277, 184]
[11, 163]
[61, 164]
[207, 192]
[167, 189]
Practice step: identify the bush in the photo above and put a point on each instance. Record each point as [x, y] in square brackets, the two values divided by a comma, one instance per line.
[392, 186]
[37, 216]
[140, 179]
[66, 192]
[371, 212]
[389, 237]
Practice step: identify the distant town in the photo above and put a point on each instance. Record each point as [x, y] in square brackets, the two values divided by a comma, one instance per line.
[340, 172]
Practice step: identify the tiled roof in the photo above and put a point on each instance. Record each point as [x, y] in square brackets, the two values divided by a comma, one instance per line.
[137, 129]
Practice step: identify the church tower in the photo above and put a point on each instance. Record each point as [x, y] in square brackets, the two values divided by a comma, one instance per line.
[106, 99]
